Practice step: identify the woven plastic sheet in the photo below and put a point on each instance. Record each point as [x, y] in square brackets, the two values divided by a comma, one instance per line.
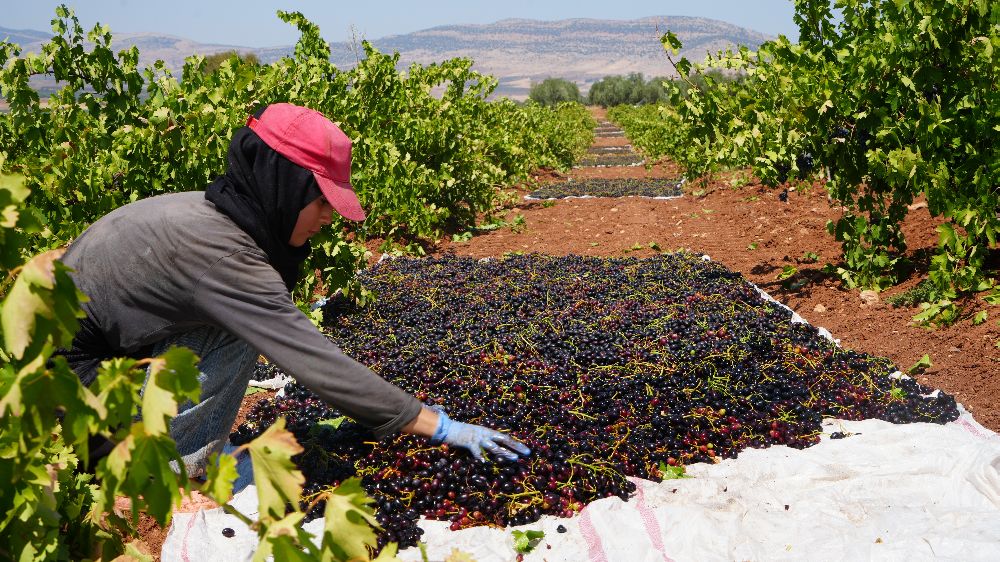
[883, 492]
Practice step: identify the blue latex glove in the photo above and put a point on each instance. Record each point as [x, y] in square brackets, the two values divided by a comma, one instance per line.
[477, 438]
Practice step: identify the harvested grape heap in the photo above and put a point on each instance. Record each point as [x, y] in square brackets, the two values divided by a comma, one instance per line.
[610, 149]
[610, 187]
[607, 368]
[622, 158]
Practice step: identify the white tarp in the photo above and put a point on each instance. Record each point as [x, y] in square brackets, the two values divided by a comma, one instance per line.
[888, 492]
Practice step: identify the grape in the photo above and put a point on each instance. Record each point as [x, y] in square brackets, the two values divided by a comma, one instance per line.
[804, 162]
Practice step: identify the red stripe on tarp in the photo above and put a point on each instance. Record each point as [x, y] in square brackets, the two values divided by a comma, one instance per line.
[594, 547]
[975, 431]
[650, 522]
[184, 543]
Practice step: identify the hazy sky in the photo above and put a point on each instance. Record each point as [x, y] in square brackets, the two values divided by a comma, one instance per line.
[252, 23]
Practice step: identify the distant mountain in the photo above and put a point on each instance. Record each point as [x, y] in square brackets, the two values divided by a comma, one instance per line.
[516, 51]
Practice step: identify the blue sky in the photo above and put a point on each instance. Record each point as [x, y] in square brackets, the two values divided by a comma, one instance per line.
[252, 23]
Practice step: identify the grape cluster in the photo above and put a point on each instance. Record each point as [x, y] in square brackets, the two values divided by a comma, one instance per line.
[805, 163]
[608, 368]
[617, 187]
[264, 371]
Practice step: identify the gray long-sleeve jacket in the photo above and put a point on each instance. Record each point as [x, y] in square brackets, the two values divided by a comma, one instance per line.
[168, 264]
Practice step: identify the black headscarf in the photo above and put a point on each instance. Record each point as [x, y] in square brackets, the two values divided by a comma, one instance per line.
[263, 192]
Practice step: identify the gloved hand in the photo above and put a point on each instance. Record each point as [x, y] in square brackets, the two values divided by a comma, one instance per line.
[477, 438]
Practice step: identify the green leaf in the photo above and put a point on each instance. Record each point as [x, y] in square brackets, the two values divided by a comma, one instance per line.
[994, 297]
[278, 480]
[220, 475]
[920, 366]
[172, 377]
[333, 423]
[684, 67]
[980, 317]
[671, 42]
[787, 271]
[349, 524]
[285, 540]
[948, 236]
[389, 553]
[134, 554]
[34, 393]
[526, 541]
[672, 472]
[12, 194]
[118, 384]
[139, 467]
[43, 305]
[251, 390]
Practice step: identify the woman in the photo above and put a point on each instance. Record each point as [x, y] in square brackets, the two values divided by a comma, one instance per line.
[213, 271]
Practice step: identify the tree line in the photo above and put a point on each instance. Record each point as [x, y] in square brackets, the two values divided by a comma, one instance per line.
[631, 89]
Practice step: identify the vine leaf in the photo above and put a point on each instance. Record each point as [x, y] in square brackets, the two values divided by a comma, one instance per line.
[920, 366]
[221, 474]
[138, 467]
[526, 541]
[173, 375]
[278, 480]
[349, 522]
[672, 472]
[34, 311]
[284, 540]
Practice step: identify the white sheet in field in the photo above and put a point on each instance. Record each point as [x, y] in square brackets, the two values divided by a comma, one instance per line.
[887, 492]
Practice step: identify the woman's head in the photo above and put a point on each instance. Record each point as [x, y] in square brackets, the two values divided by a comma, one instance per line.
[309, 139]
[279, 166]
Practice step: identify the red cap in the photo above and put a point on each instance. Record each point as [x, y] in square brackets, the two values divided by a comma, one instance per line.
[307, 138]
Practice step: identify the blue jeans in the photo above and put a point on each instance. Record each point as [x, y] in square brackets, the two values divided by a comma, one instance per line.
[226, 365]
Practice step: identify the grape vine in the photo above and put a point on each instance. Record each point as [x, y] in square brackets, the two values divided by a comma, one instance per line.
[896, 100]
[425, 163]
[429, 147]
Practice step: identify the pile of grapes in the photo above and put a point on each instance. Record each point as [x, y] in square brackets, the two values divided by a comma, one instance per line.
[608, 368]
[608, 129]
[605, 160]
[604, 150]
[610, 187]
